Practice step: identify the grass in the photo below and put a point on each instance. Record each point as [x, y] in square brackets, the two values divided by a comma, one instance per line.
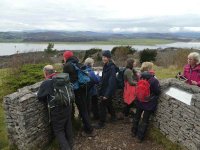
[164, 73]
[144, 41]
[136, 41]
[3, 133]
[10, 40]
[3, 138]
[159, 138]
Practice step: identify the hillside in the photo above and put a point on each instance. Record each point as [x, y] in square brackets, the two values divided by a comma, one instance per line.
[87, 36]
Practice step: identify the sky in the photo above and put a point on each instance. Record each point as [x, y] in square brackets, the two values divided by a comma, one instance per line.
[101, 15]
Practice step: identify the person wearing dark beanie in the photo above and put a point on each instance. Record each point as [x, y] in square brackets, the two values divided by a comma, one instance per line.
[107, 89]
[107, 54]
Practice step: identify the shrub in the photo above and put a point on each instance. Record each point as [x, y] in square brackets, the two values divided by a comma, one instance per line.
[176, 57]
[95, 53]
[147, 55]
[25, 75]
[122, 51]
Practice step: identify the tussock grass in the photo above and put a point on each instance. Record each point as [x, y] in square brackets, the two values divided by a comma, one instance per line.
[159, 138]
[164, 73]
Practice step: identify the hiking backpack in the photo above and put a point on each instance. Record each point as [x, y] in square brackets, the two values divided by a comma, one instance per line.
[120, 78]
[63, 91]
[84, 79]
[143, 90]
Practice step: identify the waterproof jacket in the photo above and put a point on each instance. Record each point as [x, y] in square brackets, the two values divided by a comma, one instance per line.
[130, 77]
[95, 78]
[46, 89]
[69, 68]
[108, 80]
[154, 92]
[192, 74]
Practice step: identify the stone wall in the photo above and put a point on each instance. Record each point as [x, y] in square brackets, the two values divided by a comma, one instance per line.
[178, 121]
[28, 127]
[27, 119]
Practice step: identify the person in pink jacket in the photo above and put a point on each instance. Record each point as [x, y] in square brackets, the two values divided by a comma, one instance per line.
[192, 69]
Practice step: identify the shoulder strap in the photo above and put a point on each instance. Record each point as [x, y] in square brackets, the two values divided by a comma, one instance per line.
[75, 66]
[79, 69]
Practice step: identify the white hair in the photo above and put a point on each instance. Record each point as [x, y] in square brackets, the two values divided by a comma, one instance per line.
[89, 62]
[49, 69]
[195, 56]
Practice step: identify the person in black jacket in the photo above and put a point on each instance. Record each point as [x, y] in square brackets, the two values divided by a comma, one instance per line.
[60, 116]
[107, 89]
[80, 93]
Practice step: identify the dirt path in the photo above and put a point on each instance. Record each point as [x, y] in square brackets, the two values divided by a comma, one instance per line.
[114, 137]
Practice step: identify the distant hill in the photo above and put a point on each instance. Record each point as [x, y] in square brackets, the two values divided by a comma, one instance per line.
[88, 36]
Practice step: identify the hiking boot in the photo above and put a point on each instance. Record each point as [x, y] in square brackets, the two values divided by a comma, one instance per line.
[95, 118]
[90, 134]
[138, 140]
[100, 125]
[126, 119]
[133, 134]
[113, 119]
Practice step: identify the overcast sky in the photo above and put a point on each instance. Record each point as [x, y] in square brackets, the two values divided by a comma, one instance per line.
[100, 15]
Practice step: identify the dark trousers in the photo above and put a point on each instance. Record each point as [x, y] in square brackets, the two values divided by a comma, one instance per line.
[82, 103]
[94, 106]
[140, 127]
[62, 126]
[127, 108]
[104, 106]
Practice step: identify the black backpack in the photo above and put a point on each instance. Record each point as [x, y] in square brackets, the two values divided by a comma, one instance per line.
[120, 78]
[63, 91]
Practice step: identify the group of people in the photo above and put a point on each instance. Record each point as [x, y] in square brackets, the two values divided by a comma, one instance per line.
[97, 99]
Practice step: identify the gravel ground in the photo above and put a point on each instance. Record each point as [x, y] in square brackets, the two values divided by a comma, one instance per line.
[115, 136]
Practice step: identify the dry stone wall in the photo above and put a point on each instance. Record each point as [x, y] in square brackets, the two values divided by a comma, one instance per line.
[27, 119]
[178, 121]
[28, 126]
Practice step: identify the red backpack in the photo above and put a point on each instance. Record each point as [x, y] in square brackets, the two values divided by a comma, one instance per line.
[143, 90]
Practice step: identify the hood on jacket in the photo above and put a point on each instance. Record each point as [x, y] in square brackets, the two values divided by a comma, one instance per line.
[73, 59]
[146, 75]
[110, 64]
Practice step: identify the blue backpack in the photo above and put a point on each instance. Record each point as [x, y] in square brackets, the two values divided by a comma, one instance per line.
[83, 78]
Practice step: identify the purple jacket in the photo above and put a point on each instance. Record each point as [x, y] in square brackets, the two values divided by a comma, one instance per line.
[192, 73]
[154, 93]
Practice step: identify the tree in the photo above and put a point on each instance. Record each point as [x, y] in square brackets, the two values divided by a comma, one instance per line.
[95, 53]
[148, 55]
[49, 49]
[122, 50]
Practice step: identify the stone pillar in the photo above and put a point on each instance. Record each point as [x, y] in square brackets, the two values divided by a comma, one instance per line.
[27, 119]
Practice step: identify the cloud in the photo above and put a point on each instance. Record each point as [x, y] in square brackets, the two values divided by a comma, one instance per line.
[175, 29]
[134, 29]
[102, 16]
[193, 29]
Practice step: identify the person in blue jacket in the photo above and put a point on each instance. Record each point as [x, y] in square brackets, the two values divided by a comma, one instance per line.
[93, 94]
[107, 88]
